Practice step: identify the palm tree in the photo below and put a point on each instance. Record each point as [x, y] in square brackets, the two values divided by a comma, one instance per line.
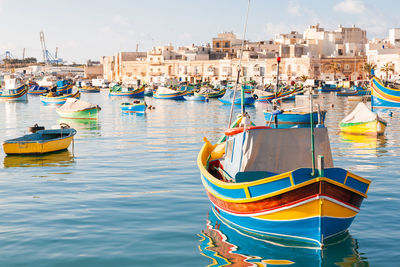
[368, 67]
[303, 78]
[388, 67]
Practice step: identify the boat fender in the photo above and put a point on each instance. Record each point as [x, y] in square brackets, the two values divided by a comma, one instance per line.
[237, 130]
[35, 128]
[218, 152]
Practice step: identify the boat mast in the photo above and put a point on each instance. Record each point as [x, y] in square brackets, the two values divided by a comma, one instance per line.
[239, 70]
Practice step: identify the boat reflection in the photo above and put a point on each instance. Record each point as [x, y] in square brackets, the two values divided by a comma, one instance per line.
[226, 246]
[56, 159]
[81, 124]
[364, 144]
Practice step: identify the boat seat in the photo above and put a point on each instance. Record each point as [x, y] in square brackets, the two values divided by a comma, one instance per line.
[242, 177]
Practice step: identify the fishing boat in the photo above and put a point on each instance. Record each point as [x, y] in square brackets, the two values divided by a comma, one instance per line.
[384, 96]
[136, 106]
[87, 87]
[52, 99]
[148, 91]
[37, 90]
[74, 108]
[14, 90]
[195, 98]
[248, 88]
[327, 88]
[259, 181]
[264, 96]
[230, 98]
[118, 90]
[40, 142]
[210, 93]
[362, 121]
[264, 181]
[293, 116]
[64, 87]
[166, 93]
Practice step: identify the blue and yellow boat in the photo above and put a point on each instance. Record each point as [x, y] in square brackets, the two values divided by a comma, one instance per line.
[37, 90]
[383, 96]
[166, 93]
[118, 90]
[259, 181]
[58, 100]
[294, 117]
[17, 94]
[64, 87]
[40, 142]
[230, 98]
[135, 107]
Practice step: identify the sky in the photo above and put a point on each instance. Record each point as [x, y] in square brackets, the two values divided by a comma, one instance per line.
[89, 29]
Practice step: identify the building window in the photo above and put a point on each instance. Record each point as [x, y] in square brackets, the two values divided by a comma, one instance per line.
[226, 44]
[151, 69]
[347, 67]
[217, 44]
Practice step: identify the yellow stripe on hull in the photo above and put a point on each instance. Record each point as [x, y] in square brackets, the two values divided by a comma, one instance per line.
[37, 147]
[369, 128]
[318, 207]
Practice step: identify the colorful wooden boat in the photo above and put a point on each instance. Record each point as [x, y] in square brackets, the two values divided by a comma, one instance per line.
[210, 93]
[294, 117]
[77, 109]
[259, 181]
[248, 89]
[327, 88]
[228, 98]
[134, 107]
[118, 90]
[382, 96]
[64, 87]
[166, 93]
[195, 98]
[38, 90]
[52, 99]
[14, 94]
[148, 91]
[43, 141]
[363, 121]
[89, 89]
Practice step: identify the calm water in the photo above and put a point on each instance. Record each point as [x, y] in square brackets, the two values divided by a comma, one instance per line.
[130, 193]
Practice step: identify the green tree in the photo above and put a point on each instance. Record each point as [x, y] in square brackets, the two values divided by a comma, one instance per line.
[368, 67]
[388, 67]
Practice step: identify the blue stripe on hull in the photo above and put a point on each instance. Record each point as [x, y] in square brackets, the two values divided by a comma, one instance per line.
[311, 230]
[378, 102]
[295, 118]
[238, 101]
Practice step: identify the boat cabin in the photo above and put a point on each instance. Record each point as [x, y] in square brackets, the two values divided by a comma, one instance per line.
[261, 152]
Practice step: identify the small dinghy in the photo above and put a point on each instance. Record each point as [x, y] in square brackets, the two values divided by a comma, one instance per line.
[41, 141]
[78, 109]
[363, 121]
[134, 107]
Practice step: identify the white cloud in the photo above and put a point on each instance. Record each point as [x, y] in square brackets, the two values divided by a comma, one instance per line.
[350, 6]
[272, 29]
[293, 8]
[120, 20]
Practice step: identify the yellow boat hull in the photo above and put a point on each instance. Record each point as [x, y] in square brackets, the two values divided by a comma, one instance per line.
[38, 147]
[375, 127]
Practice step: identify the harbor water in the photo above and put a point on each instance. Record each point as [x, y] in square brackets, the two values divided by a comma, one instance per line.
[128, 192]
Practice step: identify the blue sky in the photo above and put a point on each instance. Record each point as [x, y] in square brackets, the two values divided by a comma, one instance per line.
[88, 29]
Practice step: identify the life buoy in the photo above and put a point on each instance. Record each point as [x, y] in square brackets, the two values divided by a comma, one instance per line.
[237, 130]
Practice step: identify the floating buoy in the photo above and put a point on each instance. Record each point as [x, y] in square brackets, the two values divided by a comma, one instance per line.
[390, 114]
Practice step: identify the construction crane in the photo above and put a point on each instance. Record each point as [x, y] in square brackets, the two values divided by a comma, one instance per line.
[6, 55]
[48, 58]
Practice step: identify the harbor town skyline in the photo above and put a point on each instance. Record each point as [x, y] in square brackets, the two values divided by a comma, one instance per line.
[92, 29]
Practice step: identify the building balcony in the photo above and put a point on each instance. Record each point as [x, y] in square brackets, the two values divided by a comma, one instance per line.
[157, 73]
[155, 53]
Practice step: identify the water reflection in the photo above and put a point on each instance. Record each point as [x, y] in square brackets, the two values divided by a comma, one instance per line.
[226, 246]
[56, 159]
[82, 124]
[364, 144]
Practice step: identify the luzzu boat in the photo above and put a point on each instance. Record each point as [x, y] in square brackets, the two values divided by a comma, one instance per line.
[383, 96]
[166, 93]
[14, 94]
[118, 90]
[40, 142]
[229, 97]
[37, 90]
[210, 93]
[135, 107]
[362, 121]
[259, 181]
[64, 87]
[294, 116]
[77, 109]
[195, 98]
[51, 99]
